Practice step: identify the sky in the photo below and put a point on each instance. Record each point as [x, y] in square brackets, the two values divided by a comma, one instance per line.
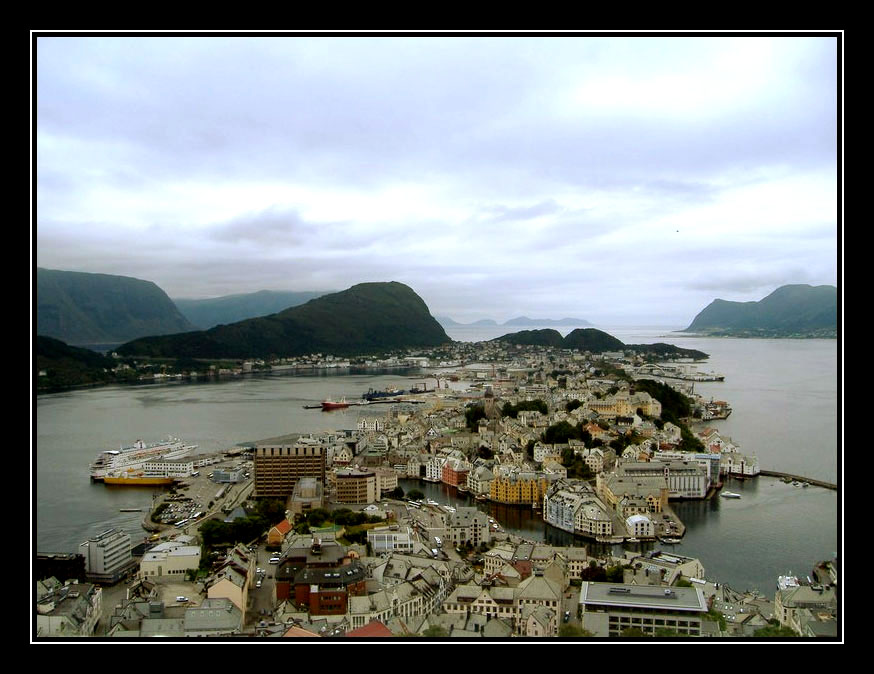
[621, 180]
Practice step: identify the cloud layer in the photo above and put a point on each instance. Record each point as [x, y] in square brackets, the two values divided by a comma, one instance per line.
[615, 179]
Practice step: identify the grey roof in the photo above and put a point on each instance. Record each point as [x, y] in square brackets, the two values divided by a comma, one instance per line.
[162, 627]
[214, 615]
[688, 599]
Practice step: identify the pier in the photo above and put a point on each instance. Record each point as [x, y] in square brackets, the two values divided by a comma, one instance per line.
[799, 478]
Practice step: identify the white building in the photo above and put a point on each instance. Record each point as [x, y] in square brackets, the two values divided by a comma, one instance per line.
[390, 539]
[640, 526]
[170, 559]
[107, 556]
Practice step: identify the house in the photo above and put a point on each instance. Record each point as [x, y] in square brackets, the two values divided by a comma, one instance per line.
[538, 621]
[276, 535]
[233, 578]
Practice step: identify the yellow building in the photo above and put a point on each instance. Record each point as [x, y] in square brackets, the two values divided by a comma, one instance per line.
[519, 488]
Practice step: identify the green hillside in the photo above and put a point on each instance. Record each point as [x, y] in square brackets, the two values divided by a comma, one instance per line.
[791, 310]
[59, 365]
[367, 318]
[85, 309]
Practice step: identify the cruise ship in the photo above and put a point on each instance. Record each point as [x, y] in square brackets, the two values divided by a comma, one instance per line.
[113, 461]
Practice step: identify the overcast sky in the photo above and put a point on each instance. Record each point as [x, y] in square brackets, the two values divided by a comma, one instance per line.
[619, 180]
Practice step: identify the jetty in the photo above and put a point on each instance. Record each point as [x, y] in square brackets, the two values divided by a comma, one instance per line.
[799, 478]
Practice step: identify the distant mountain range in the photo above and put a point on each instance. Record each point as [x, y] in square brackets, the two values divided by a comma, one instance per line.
[521, 320]
[595, 341]
[789, 311]
[85, 309]
[366, 318]
[207, 313]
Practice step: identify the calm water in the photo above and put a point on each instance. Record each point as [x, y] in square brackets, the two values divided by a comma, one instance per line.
[784, 395]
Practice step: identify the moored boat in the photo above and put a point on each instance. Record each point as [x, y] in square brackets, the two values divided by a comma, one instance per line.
[729, 494]
[332, 405]
[114, 460]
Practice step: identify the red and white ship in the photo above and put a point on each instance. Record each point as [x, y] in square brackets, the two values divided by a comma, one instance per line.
[331, 405]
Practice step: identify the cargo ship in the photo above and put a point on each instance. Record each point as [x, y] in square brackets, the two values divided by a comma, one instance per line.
[134, 457]
[331, 405]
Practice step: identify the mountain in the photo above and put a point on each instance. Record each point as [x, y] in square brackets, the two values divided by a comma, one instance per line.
[542, 322]
[596, 341]
[789, 311]
[366, 318]
[447, 322]
[590, 339]
[88, 309]
[207, 313]
[545, 337]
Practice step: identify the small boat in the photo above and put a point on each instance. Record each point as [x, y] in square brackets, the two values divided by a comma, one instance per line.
[632, 540]
[129, 510]
[669, 541]
[729, 494]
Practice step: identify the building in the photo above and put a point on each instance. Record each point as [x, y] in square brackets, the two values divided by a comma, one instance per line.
[467, 525]
[278, 467]
[214, 617]
[455, 472]
[801, 605]
[170, 559]
[640, 526]
[520, 487]
[685, 479]
[108, 556]
[307, 496]
[234, 578]
[355, 486]
[276, 535]
[70, 610]
[608, 609]
[390, 539]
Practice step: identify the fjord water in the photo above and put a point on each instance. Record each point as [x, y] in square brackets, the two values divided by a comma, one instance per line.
[784, 394]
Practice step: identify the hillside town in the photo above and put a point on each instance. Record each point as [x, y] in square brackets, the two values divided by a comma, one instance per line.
[329, 535]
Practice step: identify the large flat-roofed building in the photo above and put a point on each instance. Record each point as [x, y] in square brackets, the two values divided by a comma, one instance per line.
[608, 609]
[278, 467]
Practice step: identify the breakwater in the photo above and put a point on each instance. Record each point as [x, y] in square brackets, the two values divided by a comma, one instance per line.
[799, 478]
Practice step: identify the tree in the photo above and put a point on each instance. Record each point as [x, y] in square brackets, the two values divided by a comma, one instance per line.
[569, 630]
[771, 631]
[633, 632]
[435, 631]
[397, 492]
[415, 495]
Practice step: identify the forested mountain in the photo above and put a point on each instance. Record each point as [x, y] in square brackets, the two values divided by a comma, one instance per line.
[789, 311]
[87, 309]
[366, 318]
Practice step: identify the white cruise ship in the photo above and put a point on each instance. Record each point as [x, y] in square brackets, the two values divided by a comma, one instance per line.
[136, 455]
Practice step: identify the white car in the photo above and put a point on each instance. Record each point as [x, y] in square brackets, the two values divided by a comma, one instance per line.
[181, 599]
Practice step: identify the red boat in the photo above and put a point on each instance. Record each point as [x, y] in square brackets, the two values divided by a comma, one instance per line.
[331, 405]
